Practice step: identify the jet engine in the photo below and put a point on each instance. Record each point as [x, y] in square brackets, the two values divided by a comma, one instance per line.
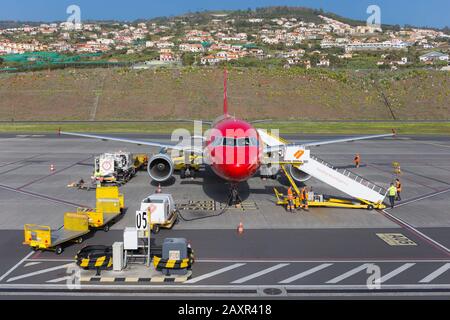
[160, 167]
[298, 174]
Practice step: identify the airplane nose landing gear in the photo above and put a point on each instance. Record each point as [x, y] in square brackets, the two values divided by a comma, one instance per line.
[233, 196]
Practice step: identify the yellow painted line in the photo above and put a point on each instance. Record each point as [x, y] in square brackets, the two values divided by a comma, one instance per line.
[181, 279]
[107, 279]
[157, 279]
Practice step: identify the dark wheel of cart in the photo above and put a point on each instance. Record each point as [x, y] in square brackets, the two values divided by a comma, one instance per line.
[155, 229]
[106, 228]
[370, 207]
[58, 250]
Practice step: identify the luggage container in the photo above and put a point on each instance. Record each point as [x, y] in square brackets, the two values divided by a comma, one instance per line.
[76, 225]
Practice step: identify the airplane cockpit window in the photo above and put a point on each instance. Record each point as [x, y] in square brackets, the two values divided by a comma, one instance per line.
[218, 140]
[247, 142]
[243, 142]
[229, 142]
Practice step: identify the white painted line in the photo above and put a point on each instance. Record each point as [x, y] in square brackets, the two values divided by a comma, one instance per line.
[422, 198]
[134, 287]
[261, 273]
[435, 274]
[214, 273]
[29, 264]
[306, 273]
[417, 231]
[435, 144]
[395, 272]
[350, 273]
[27, 275]
[59, 279]
[312, 261]
[7, 273]
[56, 260]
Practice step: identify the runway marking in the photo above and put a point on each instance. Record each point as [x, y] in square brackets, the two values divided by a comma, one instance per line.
[425, 177]
[27, 275]
[417, 232]
[348, 274]
[403, 178]
[14, 169]
[50, 260]
[434, 144]
[430, 195]
[43, 197]
[435, 274]
[214, 273]
[260, 273]
[7, 273]
[396, 239]
[60, 279]
[315, 260]
[21, 160]
[306, 273]
[52, 174]
[29, 264]
[396, 272]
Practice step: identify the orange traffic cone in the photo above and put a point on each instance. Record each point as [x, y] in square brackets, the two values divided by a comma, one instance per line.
[240, 228]
[159, 189]
[52, 168]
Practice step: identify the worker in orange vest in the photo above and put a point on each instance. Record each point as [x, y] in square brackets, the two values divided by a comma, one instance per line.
[290, 196]
[357, 160]
[398, 185]
[304, 198]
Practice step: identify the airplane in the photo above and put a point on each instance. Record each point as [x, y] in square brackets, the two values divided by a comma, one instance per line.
[233, 148]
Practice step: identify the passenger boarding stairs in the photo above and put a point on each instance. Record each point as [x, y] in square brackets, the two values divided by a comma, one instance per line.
[343, 180]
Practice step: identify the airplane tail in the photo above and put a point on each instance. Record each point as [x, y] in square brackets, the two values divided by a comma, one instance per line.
[225, 96]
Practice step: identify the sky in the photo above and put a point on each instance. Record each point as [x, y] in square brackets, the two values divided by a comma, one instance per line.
[433, 13]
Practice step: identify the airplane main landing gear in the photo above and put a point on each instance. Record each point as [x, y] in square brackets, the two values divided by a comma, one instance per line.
[233, 197]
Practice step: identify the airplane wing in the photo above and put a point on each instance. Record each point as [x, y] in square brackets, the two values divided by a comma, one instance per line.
[274, 144]
[138, 142]
[351, 139]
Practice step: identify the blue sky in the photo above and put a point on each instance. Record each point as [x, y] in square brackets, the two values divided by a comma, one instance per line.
[435, 13]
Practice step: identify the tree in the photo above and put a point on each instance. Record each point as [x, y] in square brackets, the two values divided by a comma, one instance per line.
[1, 61]
[188, 59]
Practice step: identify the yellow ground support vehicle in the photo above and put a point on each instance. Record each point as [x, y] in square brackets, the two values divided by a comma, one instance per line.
[76, 225]
[317, 200]
[109, 199]
[118, 168]
[140, 161]
[187, 165]
[109, 205]
[179, 163]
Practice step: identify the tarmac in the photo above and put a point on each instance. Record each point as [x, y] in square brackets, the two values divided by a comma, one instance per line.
[322, 252]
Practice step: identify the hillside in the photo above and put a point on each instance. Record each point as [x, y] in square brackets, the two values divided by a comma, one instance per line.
[121, 94]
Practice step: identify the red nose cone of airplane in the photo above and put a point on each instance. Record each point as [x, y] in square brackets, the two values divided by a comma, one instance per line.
[235, 155]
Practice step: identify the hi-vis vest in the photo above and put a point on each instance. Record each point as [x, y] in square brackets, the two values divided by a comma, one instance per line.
[290, 194]
[392, 191]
